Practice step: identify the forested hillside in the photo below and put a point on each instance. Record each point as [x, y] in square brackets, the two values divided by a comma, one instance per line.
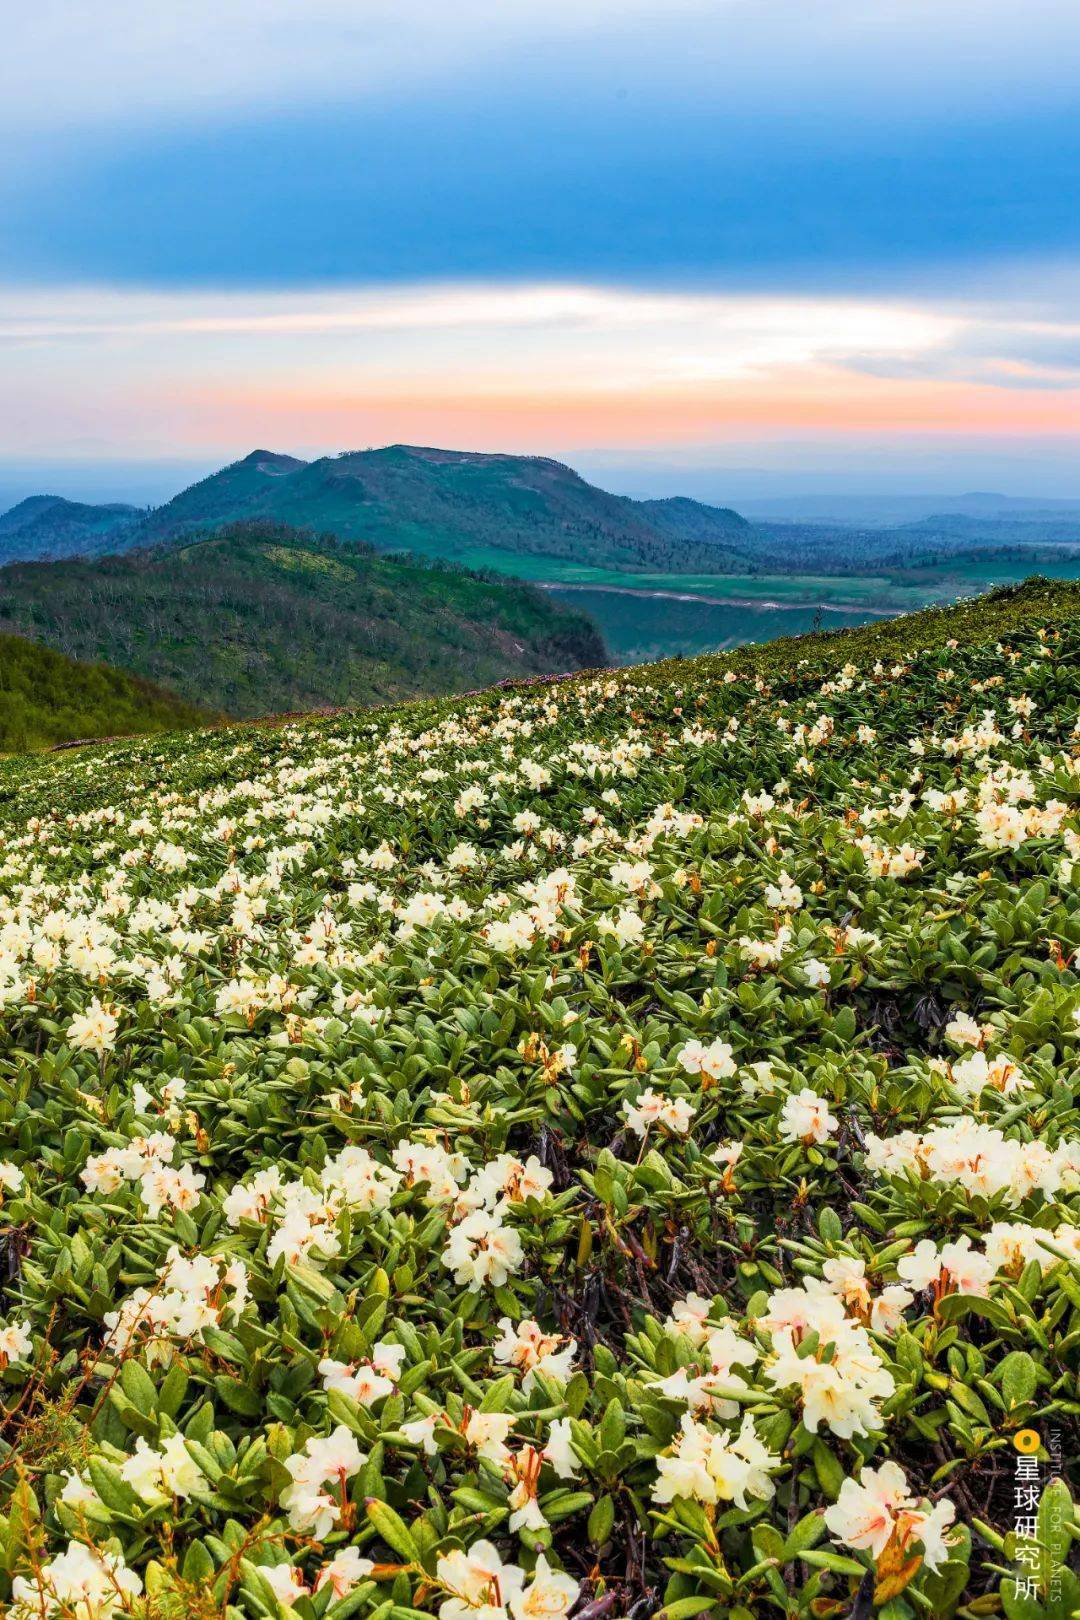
[259, 618]
[47, 698]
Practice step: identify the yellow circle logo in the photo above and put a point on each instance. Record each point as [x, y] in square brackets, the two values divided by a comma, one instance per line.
[1026, 1441]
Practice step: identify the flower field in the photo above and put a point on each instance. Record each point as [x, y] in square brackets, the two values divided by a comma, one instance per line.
[607, 1145]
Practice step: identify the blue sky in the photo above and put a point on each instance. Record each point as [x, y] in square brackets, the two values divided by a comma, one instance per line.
[739, 234]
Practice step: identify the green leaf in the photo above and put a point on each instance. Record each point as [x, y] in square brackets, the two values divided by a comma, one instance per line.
[807, 1533]
[685, 1608]
[1018, 1377]
[114, 1491]
[139, 1387]
[393, 1530]
[830, 1474]
[834, 1561]
[601, 1521]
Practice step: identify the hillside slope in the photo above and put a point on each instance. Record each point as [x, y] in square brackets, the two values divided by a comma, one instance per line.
[46, 698]
[609, 1139]
[259, 618]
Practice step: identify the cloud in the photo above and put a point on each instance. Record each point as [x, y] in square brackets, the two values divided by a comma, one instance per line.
[674, 334]
[124, 61]
[564, 340]
[542, 366]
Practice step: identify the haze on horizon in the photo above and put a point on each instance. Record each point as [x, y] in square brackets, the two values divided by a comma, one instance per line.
[733, 249]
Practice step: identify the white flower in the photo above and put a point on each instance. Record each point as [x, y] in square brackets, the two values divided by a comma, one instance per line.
[11, 1177]
[15, 1342]
[956, 1266]
[478, 1583]
[79, 1581]
[707, 1467]
[887, 1310]
[549, 1596]
[158, 1475]
[527, 1345]
[690, 1316]
[652, 1108]
[864, 1514]
[512, 1178]
[715, 1060]
[285, 1581]
[805, 1117]
[313, 1510]
[559, 1450]
[93, 1030]
[366, 1381]
[480, 1249]
[344, 1571]
[962, 1030]
[878, 1508]
[627, 926]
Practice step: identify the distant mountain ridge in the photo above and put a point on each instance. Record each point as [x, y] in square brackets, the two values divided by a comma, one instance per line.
[459, 506]
[484, 510]
[50, 525]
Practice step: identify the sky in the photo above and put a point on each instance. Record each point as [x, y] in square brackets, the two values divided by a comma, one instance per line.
[724, 246]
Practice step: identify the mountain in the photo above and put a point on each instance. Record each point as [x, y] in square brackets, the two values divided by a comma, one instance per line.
[686, 520]
[457, 505]
[259, 618]
[47, 698]
[49, 525]
[243, 488]
[517, 514]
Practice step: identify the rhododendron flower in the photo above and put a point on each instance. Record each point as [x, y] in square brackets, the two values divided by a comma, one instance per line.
[690, 1316]
[627, 926]
[513, 1179]
[526, 1345]
[479, 1583]
[864, 1514]
[708, 1467]
[158, 1475]
[366, 1381]
[312, 1509]
[344, 1571]
[15, 1342]
[11, 1177]
[285, 1581]
[559, 1450]
[878, 1508]
[956, 1267]
[714, 1061]
[523, 1475]
[94, 1030]
[805, 1117]
[700, 1387]
[974, 1074]
[480, 1250]
[887, 1309]
[652, 1108]
[82, 1581]
[549, 1596]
